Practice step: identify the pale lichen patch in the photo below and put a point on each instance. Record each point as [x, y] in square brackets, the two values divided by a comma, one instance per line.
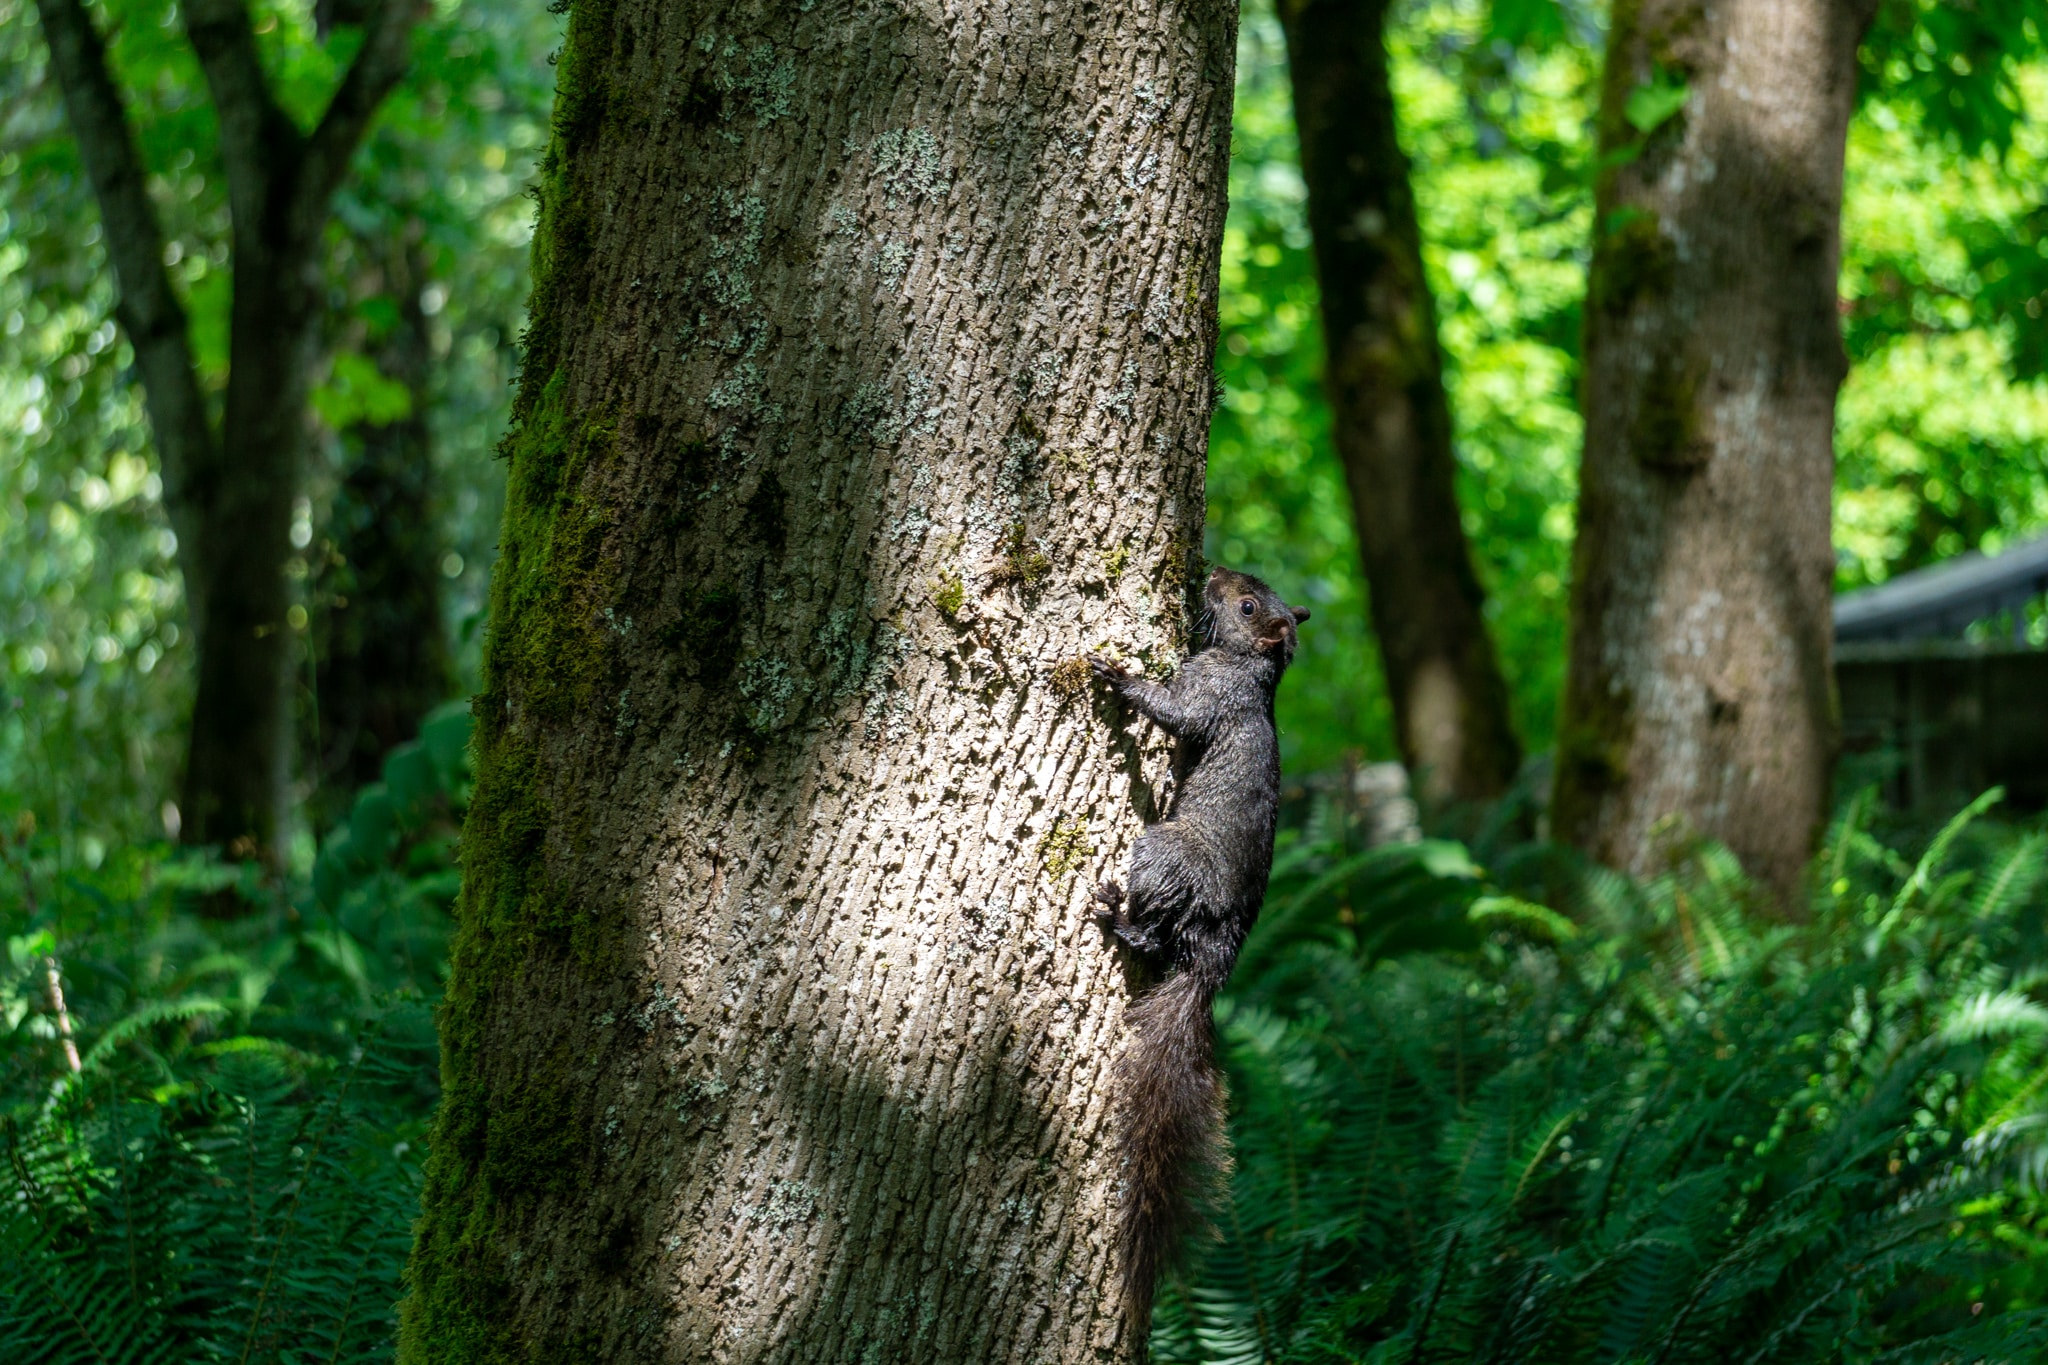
[788, 1201]
[909, 165]
[753, 79]
[736, 251]
[769, 691]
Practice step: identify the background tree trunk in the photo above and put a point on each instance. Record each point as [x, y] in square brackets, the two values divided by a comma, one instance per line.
[1699, 676]
[381, 651]
[239, 752]
[1384, 377]
[229, 487]
[867, 386]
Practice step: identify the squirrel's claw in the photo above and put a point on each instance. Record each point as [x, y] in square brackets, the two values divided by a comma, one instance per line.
[1109, 913]
[1107, 669]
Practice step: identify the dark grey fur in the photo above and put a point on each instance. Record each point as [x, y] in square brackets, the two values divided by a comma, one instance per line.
[1197, 879]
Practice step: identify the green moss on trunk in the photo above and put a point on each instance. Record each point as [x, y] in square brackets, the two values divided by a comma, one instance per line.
[500, 1140]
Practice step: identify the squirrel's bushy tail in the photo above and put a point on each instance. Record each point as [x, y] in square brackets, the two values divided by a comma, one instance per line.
[1170, 1102]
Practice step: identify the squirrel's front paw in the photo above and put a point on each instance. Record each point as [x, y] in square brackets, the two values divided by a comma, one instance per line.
[1109, 670]
[1109, 908]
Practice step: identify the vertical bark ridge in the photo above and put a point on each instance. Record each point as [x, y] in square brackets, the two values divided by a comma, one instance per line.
[869, 382]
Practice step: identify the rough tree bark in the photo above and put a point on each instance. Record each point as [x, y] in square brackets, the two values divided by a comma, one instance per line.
[229, 481]
[867, 386]
[1699, 695]
[380, 650]
[1384, 376]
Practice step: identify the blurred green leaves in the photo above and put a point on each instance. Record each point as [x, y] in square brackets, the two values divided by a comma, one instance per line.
[1653, 104]
[1499, 139]
[94, 647]
[1942, 428]
[355, 392]
[1958, 69]
[1942, 442]
[419, 778]
[1277, 506]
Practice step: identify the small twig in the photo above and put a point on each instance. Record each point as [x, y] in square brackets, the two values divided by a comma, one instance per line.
[54, 977]
[52, 973]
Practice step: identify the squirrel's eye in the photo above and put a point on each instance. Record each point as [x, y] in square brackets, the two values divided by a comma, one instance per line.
[1248, 607]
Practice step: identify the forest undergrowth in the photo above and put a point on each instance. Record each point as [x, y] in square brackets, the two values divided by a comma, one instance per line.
[1488, 1103]
[222, 1161]
[1580, 1119]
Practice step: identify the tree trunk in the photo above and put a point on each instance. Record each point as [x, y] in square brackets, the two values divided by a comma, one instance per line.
[1385, 381]
[229, 490]
[381, 653]
[1699, 697]
[238, 754]
[867, 386]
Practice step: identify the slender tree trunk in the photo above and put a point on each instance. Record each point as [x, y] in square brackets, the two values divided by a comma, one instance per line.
[238, 754]
[1385, 380]
[381, 660]
[1699, 695]
[229, 486]
[867, 386]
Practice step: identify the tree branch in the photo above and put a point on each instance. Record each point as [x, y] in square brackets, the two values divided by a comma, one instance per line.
[258, 142]
[147, 307]
[376, 71]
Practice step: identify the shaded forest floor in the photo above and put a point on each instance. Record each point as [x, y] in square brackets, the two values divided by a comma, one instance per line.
[1487, 1101]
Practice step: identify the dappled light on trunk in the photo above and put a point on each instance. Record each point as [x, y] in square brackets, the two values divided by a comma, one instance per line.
[865, 392]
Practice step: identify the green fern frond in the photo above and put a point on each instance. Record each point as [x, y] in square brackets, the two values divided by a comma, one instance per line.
[1680, 1133]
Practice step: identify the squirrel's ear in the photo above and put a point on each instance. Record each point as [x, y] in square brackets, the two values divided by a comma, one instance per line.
[1300, 613]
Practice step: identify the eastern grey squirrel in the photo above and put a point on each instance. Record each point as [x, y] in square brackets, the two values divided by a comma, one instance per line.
[1196, 881]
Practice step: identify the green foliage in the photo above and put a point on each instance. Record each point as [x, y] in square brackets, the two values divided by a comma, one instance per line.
[1487, 1100]
[232, 1169]
[95, 651]
[1943, 432]
[1498, 142]
[93, 644]
[1653, 105]
[1944, 420]
[1943, 275]
[1958, 68]
[260, 1210]
[390, 849]
[1277, 505]
[1662, 1129]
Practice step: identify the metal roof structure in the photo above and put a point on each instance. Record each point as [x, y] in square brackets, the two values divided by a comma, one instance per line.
[1944, 598]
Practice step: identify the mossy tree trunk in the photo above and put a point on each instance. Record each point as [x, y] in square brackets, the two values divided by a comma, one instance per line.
[1384, 375]
[1699, 697]
[867, 386]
